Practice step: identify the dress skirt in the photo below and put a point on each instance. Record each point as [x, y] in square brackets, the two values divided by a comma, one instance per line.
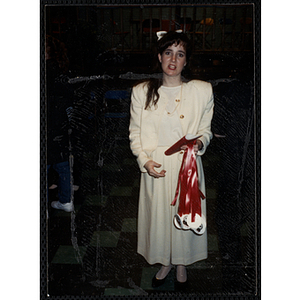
[159, 241]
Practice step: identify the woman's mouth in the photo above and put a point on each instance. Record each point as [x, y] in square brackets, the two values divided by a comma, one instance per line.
[172, 67]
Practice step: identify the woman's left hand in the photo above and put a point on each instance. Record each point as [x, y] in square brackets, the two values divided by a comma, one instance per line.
[197, 146]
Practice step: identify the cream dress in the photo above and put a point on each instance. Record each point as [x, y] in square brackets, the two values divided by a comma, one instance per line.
[159, 241]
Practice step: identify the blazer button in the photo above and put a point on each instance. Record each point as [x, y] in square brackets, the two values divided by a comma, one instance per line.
[181, 152]
[182, 116]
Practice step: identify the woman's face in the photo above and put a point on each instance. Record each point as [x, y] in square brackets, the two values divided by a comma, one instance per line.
[173, 60]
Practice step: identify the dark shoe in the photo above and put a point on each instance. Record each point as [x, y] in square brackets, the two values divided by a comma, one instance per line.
[157, 282]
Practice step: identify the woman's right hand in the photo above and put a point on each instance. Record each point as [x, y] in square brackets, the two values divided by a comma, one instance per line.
[150, 165]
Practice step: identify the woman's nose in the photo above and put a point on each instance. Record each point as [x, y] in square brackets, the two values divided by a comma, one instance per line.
[173, 57]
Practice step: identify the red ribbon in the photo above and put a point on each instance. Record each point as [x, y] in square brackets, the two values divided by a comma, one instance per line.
[190, 194]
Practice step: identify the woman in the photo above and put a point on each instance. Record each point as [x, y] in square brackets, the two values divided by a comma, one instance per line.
[162, 112]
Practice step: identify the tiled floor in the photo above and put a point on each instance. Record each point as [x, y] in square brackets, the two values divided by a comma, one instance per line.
[93, 250]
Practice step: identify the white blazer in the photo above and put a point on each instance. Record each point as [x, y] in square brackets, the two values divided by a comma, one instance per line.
[195, 111]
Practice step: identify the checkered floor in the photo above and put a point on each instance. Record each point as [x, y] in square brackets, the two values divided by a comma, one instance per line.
[93, 250]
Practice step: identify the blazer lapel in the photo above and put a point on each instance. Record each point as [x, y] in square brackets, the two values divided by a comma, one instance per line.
[182, 107]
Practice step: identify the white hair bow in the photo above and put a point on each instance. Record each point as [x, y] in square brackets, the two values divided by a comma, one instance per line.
[160, 34]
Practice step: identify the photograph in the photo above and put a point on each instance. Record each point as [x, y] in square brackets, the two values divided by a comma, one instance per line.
[131, 204]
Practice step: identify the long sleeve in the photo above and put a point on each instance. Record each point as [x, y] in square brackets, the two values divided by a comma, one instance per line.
[136, 109]
[205, 124]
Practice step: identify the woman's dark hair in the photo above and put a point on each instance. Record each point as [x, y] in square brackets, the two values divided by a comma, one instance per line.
[169, 39]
